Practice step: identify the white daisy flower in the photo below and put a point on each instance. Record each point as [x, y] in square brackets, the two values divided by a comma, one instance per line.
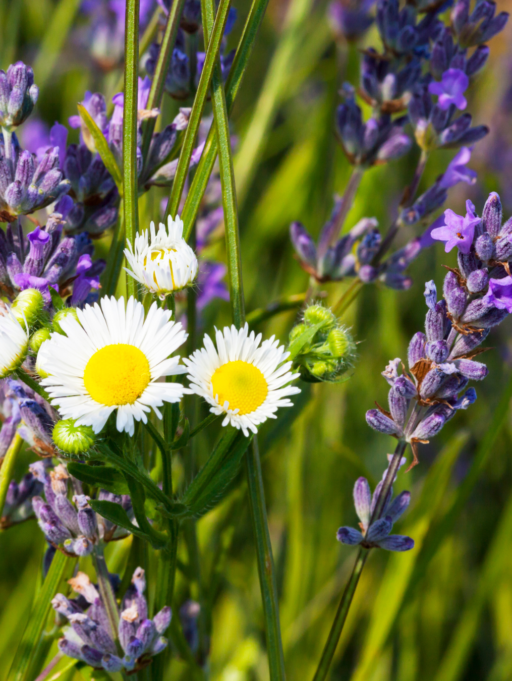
[14, 339]
[162, 261]
[111, 359]
[242, 377]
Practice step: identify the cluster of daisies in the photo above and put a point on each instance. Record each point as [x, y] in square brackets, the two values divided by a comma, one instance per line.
[112, 356]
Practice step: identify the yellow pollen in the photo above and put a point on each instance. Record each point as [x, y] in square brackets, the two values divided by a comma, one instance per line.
[117, 374]
[241, 384]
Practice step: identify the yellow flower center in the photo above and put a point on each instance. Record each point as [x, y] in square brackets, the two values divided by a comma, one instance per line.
[241, 384]
[117, 374]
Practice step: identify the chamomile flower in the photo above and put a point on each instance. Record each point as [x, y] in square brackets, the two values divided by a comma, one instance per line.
[14, 339]
[111, 359]
[241, 377]
[162, 261]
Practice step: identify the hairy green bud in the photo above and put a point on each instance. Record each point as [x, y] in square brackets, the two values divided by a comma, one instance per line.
[65, 313]
[27, 306]
[73, 439]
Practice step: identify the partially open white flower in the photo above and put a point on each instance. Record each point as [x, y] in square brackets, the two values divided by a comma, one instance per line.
[242, 377]
[14, 339]
[111, 359]
[162, 261]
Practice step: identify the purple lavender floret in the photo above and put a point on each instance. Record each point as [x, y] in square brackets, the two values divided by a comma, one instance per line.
[450, 90]
[89, 638]
[479, 26]
[18, 502]
[350, 19]
[376, 532]
[458, 231]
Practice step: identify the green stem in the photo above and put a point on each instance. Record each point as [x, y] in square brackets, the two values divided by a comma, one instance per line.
[266, 569]
[204, 424]
[22, 375]
[7, 467]
[115, 259]
[161, 70]
[130, 124]
[205, 166]
[341, 616]
[332, 233]
[212, 54]
[278, 306]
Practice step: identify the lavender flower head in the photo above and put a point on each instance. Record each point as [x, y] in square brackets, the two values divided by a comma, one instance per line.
[89, 636]
[376, 532]
[18, 95]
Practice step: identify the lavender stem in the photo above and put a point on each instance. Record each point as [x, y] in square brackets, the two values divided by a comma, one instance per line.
[331, 235]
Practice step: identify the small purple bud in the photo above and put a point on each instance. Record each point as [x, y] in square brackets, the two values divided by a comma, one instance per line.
[429, 427]
[303, 243]
[368, 274]
[437, 351]
[71, 649]
[112, 663]
[430, 294]
[362, 500]
[91, 656]
[455, 295]
[381, 423]
[468, 262]
[162, 619]
[434, 322]
[492, 215]
[476, 310]
[378, 530]
[146, 634]
[453, 385]
[67, 513]
[504, 248]
[349, 536]
[86, 517]
[475, 371]
[398, 506]
[416, 349]
[431, 383]
[466, 400]
[484, 247]
[468, 342]
[479, 279]
[405, 387]
[398, 407]
[397, 542]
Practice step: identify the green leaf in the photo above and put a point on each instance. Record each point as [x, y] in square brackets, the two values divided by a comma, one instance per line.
[27, 649]
[207, 490]
[105, 477]
[301, 341]
[117, 515]
[100, 144]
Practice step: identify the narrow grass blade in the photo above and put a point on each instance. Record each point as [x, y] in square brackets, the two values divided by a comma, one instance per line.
[102, 147]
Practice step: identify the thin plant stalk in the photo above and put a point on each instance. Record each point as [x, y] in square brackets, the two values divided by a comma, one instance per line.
[350, 589]
[23, 376]
[161, 70]
[106, 591]
[130, 123]
[266, 571]
[212, 54]
[7, 468]
[237, 71]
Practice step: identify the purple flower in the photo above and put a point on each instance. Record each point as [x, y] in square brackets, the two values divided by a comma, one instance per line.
[142, 100]
[500, 293]
[450, 90]
[457, 230]
[457, 171]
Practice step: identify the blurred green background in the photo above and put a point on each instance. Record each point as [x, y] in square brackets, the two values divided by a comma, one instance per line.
[442, 612]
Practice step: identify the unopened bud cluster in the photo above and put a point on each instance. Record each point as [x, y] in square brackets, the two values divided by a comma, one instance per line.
[321, 348]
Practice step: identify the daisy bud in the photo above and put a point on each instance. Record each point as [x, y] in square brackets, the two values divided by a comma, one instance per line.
[66, 313]
[27, 306]
[72, 439]
[162, 261]
[38, 338]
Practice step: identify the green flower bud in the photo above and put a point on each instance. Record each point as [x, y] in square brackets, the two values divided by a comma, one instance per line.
[340, 342]
[27, 306]
[38, 338]
[63, 314]
[317, 314]
[72, 439]
[297, 331]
